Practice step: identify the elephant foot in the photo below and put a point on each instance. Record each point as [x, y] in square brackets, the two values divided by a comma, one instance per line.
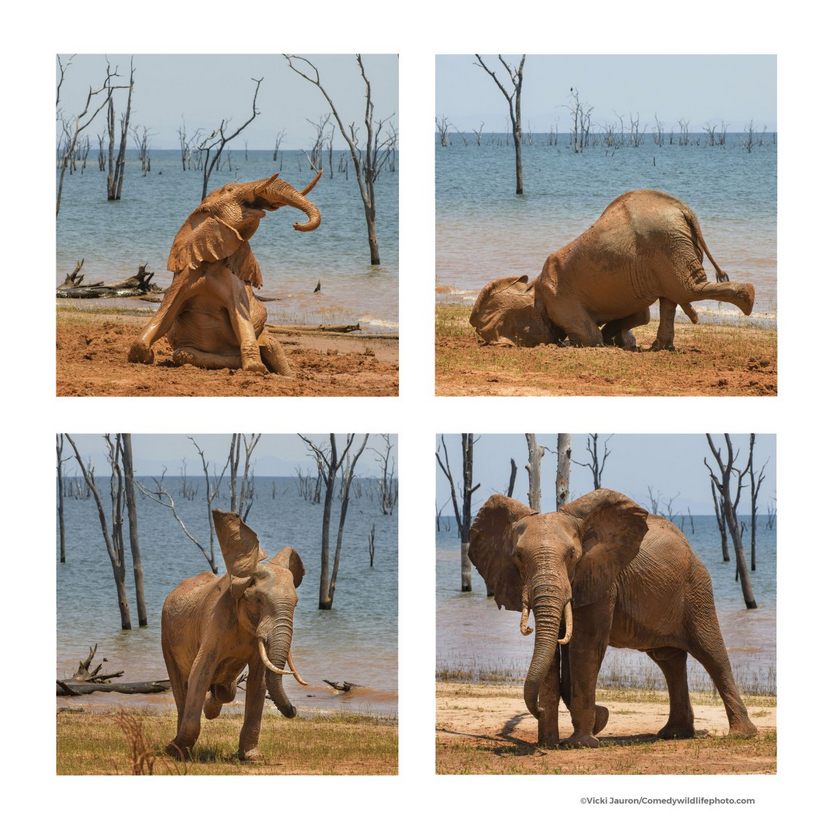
[274, 358]
[174, 750]
[602, 715]
[677, 731]
[658, 346]
[585, 740]
[253, 755]
[745, 729]
[749, 298]
[139, 353]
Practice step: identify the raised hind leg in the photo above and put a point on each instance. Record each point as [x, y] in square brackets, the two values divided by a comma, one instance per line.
[681, 717]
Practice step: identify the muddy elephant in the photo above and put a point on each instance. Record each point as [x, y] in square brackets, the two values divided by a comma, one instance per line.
[601, 571]
[646, 246]
[209, 314]
[212, 627]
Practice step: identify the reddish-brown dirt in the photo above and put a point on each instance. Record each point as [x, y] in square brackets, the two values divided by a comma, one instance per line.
[92, 352]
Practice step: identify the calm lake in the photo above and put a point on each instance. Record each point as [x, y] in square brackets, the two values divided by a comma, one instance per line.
[473, 635]
[114, 237]
[357, 641]
[484, 230]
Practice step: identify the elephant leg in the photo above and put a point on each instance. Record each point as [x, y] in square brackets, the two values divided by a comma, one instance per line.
[618, 332]
[219, 694]
[248, 741]
[206, 360]
[575, 321]
[587, 650]
[273, 355]
[741, 294]
[189, 727]
[665, 331]
[178, 684]
[709, 649]
[548, 699]
[681, 717]
[237, 302]
[602, 713]
[184, 286]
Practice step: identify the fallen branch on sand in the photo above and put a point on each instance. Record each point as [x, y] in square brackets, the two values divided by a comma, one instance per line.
[73, 688]
[350, 327]
[137, 285]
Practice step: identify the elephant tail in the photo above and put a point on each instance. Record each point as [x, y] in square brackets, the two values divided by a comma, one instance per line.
[691, 220]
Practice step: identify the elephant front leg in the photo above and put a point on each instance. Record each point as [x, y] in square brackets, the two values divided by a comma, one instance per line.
[189, 728]
[548, 700]
[238, 308]
[248, 741]
[273, 355]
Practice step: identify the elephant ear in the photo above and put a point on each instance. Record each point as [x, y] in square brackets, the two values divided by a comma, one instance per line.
[240, 548]
[496, 286]
[244, 265]
[202, 238]
[611, 527]
[290, 560]
[491, 548]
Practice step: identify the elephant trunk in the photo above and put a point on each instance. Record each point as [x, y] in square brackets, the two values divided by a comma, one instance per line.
[278, 643]
[550, 595]
[280, 194]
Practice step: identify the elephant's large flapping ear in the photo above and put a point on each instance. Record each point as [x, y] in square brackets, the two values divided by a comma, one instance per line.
[244, 265]
[240, 548]
[290, 560]
[492, 548]
[202, 238]
[611, 527]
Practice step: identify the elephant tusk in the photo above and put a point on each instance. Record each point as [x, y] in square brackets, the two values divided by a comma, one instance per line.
[312, 184]
[293, 669]
[568, 620]
[267, 663]
[524, 617]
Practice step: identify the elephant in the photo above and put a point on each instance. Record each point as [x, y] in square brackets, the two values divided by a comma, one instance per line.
[610, 574]
[212, 627]
[209, 313]
[646, 246]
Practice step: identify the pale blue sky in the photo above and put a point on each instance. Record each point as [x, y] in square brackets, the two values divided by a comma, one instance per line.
[669, 463]
[735, 88]
[275, 455]
[203, 89]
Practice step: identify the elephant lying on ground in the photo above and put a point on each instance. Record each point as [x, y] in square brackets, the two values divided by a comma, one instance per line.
[212, 627]
[608, 573]
[209, 313]
[646, 246]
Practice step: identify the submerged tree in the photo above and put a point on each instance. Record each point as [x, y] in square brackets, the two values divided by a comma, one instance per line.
[513, 98]
[125, 448]
[562, 472]
[597, 458]
[536, 453]
[116, 166]
[755, 485]
[59, 451]
[369, 162]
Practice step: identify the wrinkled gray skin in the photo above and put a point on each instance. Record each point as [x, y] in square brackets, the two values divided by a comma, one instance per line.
[646, 246]
[209, 313]
[211, 628]
[632, 581]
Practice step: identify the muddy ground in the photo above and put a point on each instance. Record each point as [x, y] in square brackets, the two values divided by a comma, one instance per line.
[486, 729]
[710, 360]
[92, 352]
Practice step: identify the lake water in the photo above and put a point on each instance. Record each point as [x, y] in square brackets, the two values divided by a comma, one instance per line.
[484, 230]
[114, 237]
[357, 641]
[472, 634]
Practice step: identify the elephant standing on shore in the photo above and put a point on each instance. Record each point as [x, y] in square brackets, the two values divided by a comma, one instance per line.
[212, 627]
[646, 246]
[605, 573]
[209, 313]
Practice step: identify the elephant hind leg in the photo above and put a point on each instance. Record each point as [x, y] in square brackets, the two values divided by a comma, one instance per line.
[618, 332]
[576, 322]
[665, 331]
[206, 360]
[681, 717]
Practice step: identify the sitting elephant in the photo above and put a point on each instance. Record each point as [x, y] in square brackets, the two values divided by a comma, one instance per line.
[611, 575]
[209, 313]
[646, 246]
[212, 627]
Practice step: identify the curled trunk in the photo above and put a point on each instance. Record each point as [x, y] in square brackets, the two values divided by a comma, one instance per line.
[279, 193]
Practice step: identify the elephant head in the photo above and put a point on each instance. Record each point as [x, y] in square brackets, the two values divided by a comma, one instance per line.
[553, 562]
[229, 216]
[506, 313]
[264, 593]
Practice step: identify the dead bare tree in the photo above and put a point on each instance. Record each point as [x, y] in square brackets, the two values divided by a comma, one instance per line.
[562, 472]
[116, 167]
[59, 451]
[463, 519]
[315, 158]
[212, 487]
[755, 485]
[512, 476]
[280, 135]
[443, 127]
[513, 99]
[246, 492]
[536, 453]
[721, 521]
[125, 446]
[387, 482]
[211, 147]
[330, 463]
[580, 114]
[729, 504]
[596, 465]
[379, 145]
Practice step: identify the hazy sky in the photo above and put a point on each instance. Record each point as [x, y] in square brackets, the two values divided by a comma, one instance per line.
[669, 463]
[735, 88]
[275, 455]
[204, 89]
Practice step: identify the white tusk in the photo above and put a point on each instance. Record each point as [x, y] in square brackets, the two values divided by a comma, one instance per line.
[267, 663]
[293, 669]
[568, 620]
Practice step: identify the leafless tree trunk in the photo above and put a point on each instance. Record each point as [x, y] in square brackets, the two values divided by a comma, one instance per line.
[443, 127]
[463, 520]
[62, 544]
[512, 476]
[723, 483]
[721, 521]
[116, 169]
[113, 537]
[562, 472]
[246, 492]
[755, 486]
[369, 163]
[387, 486]
[595, 465]
[133, 530]
[513, 98]
[212, 489]
[536, 453]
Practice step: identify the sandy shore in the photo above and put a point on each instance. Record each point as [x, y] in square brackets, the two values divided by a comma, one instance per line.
[486, 729]
[92, 350]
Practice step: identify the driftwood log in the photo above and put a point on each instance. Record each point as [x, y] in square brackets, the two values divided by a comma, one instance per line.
[75, 688]
[344, 687]
[135, 286]
[341, 329]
